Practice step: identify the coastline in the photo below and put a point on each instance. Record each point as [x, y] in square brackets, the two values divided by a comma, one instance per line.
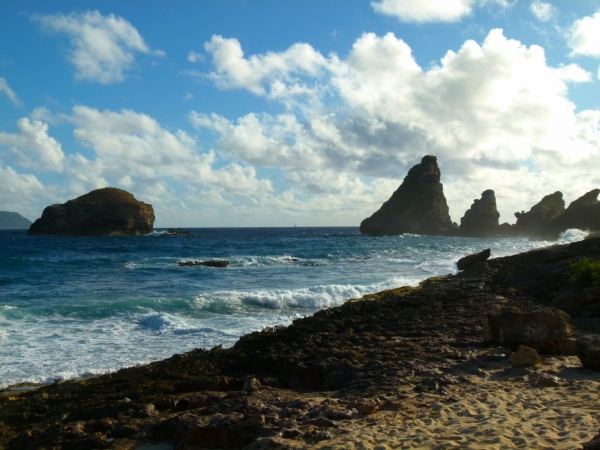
[347, 373]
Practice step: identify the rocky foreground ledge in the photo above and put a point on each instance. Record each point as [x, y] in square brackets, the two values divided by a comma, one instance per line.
[404, 368]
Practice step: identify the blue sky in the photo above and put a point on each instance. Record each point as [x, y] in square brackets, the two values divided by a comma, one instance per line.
[270, 113]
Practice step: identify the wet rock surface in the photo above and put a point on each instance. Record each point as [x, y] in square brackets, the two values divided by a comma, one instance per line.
[399, 350]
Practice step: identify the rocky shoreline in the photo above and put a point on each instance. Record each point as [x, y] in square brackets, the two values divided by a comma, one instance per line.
[402, 368]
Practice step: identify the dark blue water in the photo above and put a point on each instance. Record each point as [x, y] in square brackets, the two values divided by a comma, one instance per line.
[71, 306]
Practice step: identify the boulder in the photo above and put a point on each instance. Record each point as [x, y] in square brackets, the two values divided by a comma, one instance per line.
[582, 214]
[545, 329]
[107, 211]
[588, 350]
[536, 222]
[469, 260]
[525, 357]
[13, 221]
[418, 206]
[213, 263]
[482, 219]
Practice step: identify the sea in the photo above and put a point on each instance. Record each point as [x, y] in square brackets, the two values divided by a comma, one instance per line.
[80, 306]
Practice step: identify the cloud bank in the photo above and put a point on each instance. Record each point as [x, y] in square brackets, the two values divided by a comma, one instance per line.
[496, 114]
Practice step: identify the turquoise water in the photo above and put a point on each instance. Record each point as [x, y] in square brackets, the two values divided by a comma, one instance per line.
[75, 306]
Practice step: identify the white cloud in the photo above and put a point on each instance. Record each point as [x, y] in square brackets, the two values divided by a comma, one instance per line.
[543, 11]
[195, 57]
[134, 148]
[235, 71]
[102, 47]
[584, 36]
[423, 11]
[5, 88]
[494, 108]
[31, 147]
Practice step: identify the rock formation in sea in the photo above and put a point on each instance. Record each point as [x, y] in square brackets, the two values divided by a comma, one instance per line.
[583, 214]
[13, 221]
[418, 206]
[107, 211]
[481, 220]
[536, 222]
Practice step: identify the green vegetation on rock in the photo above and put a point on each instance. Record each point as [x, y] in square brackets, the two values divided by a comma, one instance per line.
[587, 271]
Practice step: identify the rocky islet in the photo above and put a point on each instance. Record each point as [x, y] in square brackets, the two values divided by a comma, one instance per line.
[419, 206]
[107, 211]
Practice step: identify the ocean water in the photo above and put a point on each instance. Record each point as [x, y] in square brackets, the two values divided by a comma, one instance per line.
[77, 306]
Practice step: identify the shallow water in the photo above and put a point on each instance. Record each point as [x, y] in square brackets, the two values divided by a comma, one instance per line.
[75, 306]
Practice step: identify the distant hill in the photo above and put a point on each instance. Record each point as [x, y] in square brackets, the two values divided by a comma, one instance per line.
[13, 221]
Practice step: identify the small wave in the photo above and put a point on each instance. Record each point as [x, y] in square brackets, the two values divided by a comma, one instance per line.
[164, 323]
[573, 235]
[316, 297]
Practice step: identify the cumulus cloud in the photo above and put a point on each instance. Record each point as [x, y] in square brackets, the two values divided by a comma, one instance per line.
[31, 147]
[5, 88]
[543, 11]
[495, 108]
[584, 36]
[424, 10]
[258, 71]
[103, 48]
[132, 147]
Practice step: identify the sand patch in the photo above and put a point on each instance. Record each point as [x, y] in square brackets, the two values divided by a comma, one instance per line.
[487, 414]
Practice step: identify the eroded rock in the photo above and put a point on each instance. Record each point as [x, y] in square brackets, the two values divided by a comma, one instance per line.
[418, 206]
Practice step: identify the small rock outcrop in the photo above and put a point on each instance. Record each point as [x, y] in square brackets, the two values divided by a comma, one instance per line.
[467, 261]
[13, 221]
[212, 263]
[547, 330]
[481, 220]
[582, 214]
[525, 357]
[536, 222]
[418, 206]
[102, 212]
[588, 350]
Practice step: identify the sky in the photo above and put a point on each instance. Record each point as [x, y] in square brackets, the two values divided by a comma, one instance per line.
[233, 113]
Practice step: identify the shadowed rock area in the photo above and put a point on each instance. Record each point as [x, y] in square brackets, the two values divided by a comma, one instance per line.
[418, 206]
[398, 351]
[481, 220]
[102, 212]
[535, 222]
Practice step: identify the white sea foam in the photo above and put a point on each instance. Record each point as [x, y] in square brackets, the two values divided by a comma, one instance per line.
[317, 297]
[573, 235]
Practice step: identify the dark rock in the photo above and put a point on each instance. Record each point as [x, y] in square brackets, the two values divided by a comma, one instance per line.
[213, 263]
[418, 206]
[578, 302]
[469, 260]
[541, 328]
[582, 214]
[13, 221]
[588, 350]
[594, 444]
[103, 212]
[536, 222]
[481, 220]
